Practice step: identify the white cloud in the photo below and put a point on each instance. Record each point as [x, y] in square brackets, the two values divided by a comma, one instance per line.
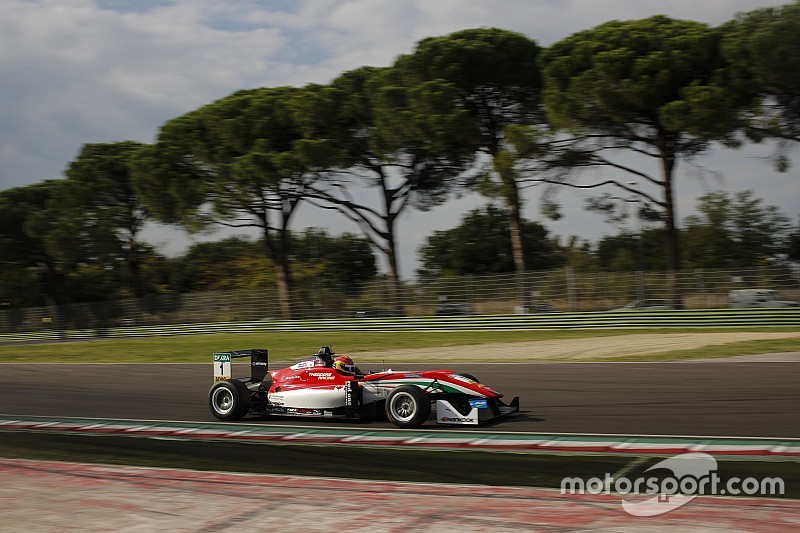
[82, 71]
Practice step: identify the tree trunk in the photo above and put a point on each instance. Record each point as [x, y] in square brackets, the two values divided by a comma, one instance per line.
[283, 281]
[390, 200]
[517, 244]
[277, 253]
[134, 270]
[53, 295]
[503, 165]
[393, 278]
[673, 246]
[514, 206]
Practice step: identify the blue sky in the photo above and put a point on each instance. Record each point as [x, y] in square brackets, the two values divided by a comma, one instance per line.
[87, 71]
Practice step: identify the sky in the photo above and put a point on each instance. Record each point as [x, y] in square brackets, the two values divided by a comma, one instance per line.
[94, 71]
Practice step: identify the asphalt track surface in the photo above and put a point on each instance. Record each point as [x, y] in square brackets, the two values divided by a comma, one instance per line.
[745, 399]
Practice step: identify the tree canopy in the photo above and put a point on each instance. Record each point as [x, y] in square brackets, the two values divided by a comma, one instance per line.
[651, 87]
[730, 230]
[734, 229]
[244, 157]
[497, 80]
[100, 216]
[763, 47]
[22, 245]
[481, 244]
[405, 142]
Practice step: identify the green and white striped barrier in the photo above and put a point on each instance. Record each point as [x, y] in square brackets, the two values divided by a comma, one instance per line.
[776, 448]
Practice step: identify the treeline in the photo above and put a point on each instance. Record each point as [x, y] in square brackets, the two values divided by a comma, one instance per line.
[482, 109]
[731, 230]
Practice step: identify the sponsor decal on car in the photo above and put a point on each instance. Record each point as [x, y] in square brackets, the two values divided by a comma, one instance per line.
[459, 419]
[446, 413]
[322, 375]
[294, 410]
[479, 403]
[303, 364]
[222, 366]
[276, 399]
[459, 377]
[348, 397]
[412, 375]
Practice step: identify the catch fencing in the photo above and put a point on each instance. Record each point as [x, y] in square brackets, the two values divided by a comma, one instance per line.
[662, 320]
[532, 293]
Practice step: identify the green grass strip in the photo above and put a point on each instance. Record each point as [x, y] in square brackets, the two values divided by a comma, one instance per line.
[282, 345]
[285, 346]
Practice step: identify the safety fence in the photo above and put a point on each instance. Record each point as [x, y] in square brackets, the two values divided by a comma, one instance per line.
[531, 293]
[697, 318]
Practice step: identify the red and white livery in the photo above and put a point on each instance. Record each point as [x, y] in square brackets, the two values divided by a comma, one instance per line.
[313, 387]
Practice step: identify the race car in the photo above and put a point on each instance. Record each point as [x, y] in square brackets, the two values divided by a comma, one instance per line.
[312, 387]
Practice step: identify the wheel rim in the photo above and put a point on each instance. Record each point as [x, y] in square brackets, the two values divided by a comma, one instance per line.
[222, 400]
[403, 406]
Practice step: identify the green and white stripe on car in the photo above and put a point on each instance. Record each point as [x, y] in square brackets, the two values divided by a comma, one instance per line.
[423, 383]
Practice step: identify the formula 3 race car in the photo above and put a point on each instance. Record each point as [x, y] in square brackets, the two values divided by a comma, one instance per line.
[313, 388]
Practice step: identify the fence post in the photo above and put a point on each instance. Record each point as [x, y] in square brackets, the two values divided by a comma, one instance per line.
[640, 289]
[698, 274]
[470, 297]
[571, 296]
[607, 297]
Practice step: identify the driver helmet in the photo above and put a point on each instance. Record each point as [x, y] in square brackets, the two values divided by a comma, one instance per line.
[344, 364]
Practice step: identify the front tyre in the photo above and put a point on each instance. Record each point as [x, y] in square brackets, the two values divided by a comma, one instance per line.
[229, 400]
[407, 406]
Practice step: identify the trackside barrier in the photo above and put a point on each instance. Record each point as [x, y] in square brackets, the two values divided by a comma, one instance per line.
[769, 448]
[691, 318]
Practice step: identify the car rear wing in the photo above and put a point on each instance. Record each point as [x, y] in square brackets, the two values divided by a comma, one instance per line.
[259, 362]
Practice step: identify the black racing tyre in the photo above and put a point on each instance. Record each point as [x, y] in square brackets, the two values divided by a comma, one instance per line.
[229, 400]
[408, 406]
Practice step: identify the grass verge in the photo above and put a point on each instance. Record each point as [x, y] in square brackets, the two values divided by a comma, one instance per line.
[292, 345]
[282, 345]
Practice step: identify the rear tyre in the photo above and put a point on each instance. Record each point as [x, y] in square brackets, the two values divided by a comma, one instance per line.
[229, 400]
[408, 407]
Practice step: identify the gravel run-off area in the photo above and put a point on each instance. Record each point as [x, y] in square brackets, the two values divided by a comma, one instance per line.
[584, 349]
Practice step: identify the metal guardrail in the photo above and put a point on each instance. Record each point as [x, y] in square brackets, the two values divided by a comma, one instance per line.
[690, 318]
